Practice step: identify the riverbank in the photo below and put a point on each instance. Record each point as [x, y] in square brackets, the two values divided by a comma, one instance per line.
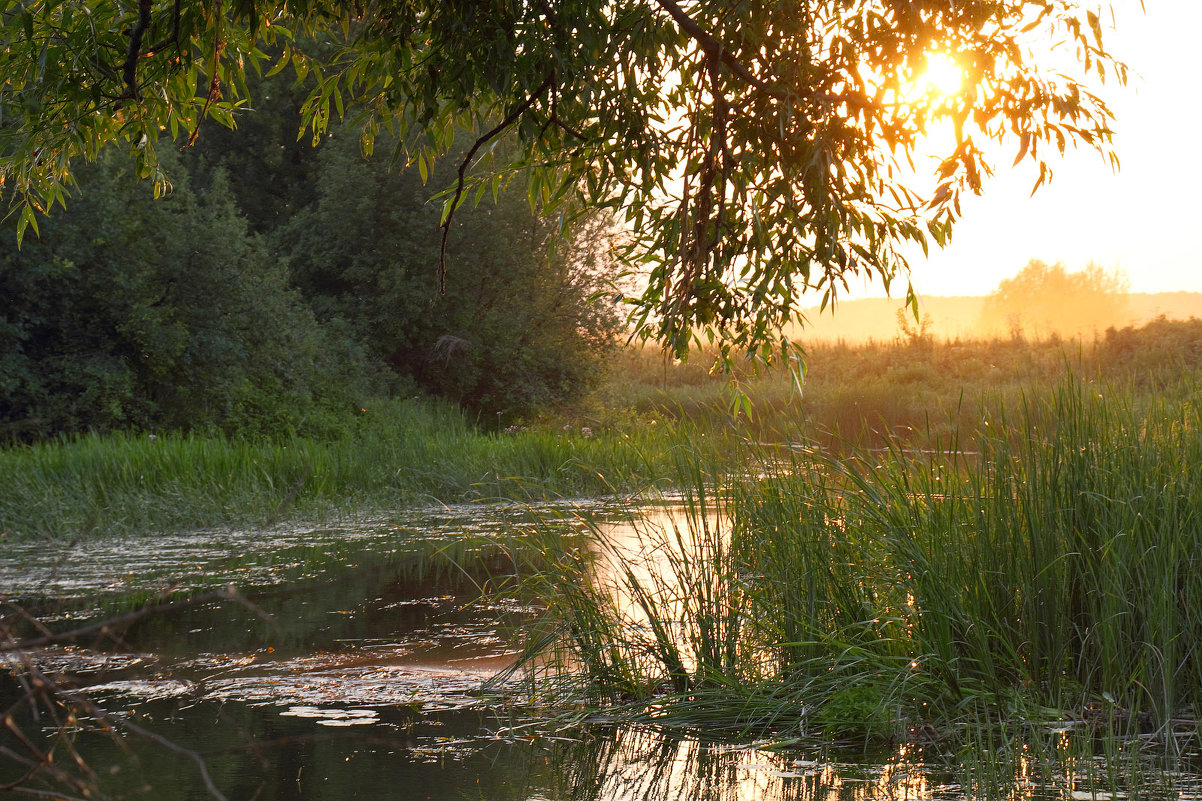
[913, 392]
[399, 454]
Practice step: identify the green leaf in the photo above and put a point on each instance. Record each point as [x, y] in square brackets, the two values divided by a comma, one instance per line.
[27, 218]
[283, 62]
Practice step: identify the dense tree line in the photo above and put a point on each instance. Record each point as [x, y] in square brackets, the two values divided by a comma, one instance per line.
[277, 287]
[514, 330]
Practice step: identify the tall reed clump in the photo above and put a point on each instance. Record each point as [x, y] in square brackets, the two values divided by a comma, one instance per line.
[1061, 569]
[1055, 574]
[630, 615]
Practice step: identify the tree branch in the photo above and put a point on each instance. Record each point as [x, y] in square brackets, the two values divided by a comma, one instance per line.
[214, 79]
[555, 116]
[106, 627]
[173, 39]
[712, 47]
[134, 51]
[484, 139]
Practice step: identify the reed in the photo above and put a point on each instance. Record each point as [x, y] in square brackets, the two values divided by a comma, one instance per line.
[1053, 576]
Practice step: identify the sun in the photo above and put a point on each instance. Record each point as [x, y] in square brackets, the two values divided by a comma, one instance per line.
[942, 77]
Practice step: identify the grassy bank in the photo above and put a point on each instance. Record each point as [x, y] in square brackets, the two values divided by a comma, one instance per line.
[912, 392]
[401, 453]
[1057, 576]
[913, 389]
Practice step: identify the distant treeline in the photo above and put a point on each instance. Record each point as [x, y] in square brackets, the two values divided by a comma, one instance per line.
[277, 286]
[1042, 300]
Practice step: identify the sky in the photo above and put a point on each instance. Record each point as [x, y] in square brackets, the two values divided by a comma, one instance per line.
[1146, 219]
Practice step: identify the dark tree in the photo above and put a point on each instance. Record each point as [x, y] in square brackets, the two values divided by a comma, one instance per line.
[515, 330]
[132, 312]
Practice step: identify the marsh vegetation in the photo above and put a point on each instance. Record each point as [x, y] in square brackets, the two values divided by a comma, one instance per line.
[1049, 575]
[1013, 583]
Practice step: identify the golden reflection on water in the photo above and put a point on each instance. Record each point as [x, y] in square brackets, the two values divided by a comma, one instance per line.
[643, 764]
[666, 557]
[639, 764]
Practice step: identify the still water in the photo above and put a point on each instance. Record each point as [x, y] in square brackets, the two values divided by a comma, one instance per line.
[348, 661]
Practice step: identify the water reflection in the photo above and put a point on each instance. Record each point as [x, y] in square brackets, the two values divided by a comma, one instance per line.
[645, 764]
[667, 559]
[108, 567]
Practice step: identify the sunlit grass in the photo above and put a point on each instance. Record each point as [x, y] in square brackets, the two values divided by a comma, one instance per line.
[915, 389]
[402, 454]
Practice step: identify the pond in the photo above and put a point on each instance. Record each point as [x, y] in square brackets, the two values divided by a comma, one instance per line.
[347, 662]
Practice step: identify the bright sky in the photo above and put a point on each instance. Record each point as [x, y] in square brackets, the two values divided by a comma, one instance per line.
[1147, 219]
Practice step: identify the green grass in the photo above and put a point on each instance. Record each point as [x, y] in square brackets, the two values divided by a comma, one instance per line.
[402, 453]
[1055, 576]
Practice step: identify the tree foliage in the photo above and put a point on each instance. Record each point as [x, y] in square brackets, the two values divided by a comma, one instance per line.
[759, 147]
[514, 332]
[129, 312]
[1046, 299]
[134, 313]
[270, 172]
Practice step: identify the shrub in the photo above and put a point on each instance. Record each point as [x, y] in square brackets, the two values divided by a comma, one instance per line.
[131, 312]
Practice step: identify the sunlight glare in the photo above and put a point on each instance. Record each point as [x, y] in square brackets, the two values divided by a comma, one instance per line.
[943, 76]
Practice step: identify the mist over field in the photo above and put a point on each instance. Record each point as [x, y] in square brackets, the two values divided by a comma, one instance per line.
[961, 317]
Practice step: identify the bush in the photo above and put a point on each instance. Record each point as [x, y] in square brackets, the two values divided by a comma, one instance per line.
[131, 312]
[515, 331]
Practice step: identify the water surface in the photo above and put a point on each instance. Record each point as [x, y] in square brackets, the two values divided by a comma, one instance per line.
[349, 663]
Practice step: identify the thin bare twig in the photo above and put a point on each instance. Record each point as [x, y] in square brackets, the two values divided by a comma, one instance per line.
[484, 139]
[179, 749]
[54, 794]
[106, 627]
